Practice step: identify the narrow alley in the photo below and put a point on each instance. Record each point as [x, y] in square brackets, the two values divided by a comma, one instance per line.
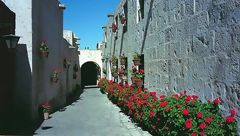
[92, 115]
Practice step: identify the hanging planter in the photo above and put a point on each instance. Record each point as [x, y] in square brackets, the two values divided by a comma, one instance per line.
[54, 77]
[133, 80]
[123, 20]
[43, 50]
[66, 63]
[121, 73]
[138, 82]
[123, 60]
[136, 59]
[75, 68]
[114, 27]
[114, 61]
[114, 72]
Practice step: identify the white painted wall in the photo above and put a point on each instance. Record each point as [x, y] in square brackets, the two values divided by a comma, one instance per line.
[91, 55]
[38, 20]
[23, 11]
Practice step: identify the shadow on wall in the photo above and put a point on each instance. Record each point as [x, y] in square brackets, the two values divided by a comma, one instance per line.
[90, 72]
[15, 114]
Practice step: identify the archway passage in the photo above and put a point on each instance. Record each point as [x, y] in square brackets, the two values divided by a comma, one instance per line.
[90, 72]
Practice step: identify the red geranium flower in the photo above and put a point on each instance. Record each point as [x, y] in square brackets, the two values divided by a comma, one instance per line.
[178, 106]
[208, 120]
[233, 112]
[152, 93]
[151, 114]
[194, 134]
[158, 119]
[188, 123]
[188, 98]
[162, 96]
[216, 101]
[202, 134]
[199, 114]
[230, 119]
[194, 96]
[185, 111]
[145, 96]
[163, 104]
[154, 127]
[202, 126]
[185, 91]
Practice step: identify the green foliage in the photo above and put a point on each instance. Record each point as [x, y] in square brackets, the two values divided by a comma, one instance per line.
[177, 115]
[43, 46]
[136, 55]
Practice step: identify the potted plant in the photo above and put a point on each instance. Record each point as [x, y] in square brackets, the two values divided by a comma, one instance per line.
[43, 49]
[137, 76]
[66, 63]
[136, 59]
[114, 72]
[114, 61]
[123, 60]
[123, 19]
[46, 110]
[75, 67]
[121, 72]
[114, 27]
[54, 77]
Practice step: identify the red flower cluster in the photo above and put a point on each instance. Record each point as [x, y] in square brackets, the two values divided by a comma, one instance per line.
[185, 111]
[159, 115]
[188, 123]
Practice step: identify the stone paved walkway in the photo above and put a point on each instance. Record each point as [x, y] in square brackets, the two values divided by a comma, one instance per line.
[92, 115]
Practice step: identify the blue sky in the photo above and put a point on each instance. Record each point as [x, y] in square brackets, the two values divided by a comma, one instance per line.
[86, 18]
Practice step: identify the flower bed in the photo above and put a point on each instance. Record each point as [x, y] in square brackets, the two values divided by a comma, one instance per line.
[180, 114]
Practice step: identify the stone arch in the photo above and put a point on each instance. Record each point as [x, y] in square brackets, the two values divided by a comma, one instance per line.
[90, 72]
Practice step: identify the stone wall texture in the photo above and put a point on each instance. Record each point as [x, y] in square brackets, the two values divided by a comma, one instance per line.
[187, 44]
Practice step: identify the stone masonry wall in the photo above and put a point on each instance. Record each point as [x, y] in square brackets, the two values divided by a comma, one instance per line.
[187, 44]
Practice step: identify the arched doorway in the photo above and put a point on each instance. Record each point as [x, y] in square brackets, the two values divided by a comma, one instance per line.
[90, 72]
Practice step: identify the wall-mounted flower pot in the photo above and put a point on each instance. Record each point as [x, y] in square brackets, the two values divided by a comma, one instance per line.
[75, 68]
[44, 54]
[46, 115]
[136, 62]
[66, 63]
[133, 80]
[121, 75]
[123, 20]
[54, 79]
[138, 82]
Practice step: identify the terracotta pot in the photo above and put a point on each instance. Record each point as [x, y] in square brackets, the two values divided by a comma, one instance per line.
[139, 82]
[44, 54]
[133, 80]
[123, 20]
[136, 62]
[54, 79]
[46, 115]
